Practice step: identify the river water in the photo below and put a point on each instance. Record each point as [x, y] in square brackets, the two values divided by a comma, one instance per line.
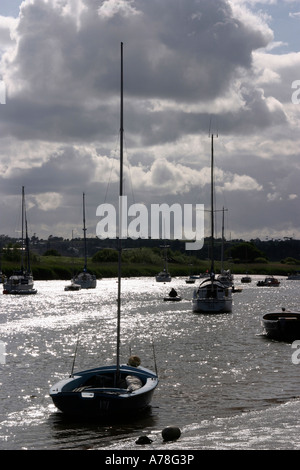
[222, 382]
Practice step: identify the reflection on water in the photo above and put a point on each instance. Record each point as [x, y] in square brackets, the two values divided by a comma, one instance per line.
[217, 372]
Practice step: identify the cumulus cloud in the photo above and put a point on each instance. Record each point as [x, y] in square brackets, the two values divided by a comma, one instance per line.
[186, 65]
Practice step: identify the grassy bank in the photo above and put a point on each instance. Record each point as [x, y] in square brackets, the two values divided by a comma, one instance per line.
[61, 267]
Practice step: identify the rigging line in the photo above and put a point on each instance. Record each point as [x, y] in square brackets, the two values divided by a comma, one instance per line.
[74, 358]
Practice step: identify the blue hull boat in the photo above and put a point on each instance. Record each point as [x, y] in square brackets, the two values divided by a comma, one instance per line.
[108, 391]
[96, 393]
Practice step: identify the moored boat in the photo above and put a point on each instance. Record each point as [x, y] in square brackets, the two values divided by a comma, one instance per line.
[190, 280]
[212, 296]
[164, 275]
[85, 279]
[73, 287]
[269, 281]
[114, 391]
[21, 281]
[282, 326]
[294, 277]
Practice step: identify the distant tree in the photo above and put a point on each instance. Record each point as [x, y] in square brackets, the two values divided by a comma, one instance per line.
[105, 255]
[51, 253]
[246, 252]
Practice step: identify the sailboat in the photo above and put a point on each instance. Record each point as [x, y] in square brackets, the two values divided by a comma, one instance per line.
[21, 281]
[108, 391]
[72, 286]
[225, 277]
[164, 275]
[84, 279]
[212, 296]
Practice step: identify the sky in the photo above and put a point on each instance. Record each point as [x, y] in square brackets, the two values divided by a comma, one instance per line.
[192, 68]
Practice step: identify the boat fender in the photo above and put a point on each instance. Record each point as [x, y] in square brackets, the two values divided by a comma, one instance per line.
[133, 383]
[134, 361]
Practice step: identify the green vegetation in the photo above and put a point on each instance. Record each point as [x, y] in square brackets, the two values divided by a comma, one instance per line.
[142, 262]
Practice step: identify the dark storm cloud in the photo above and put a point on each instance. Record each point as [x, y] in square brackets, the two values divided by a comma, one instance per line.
[186, 64]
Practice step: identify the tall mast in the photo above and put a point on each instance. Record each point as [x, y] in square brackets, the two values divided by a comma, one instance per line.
[222, 249]
[212, 203]
[84, 235]
[120, 220]
[27, 245]
[22, 247]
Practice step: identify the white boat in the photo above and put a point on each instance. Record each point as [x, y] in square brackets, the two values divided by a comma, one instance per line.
[164, 276]
[21, 281]
[212, 296]
[85, 279]
[115, 391]
[226, 278]
[73, 287]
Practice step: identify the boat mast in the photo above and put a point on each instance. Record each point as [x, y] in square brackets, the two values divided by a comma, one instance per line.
[84, 236]
[222, 249]
[212, 204]
[120, 221]
[27, 245]
[22, 246]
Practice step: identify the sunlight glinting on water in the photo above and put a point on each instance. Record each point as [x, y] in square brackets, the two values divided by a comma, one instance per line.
[219, 377]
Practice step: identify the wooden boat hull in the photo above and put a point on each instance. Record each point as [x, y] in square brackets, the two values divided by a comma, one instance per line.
[282, 326]
[172, 299]
[78, 395]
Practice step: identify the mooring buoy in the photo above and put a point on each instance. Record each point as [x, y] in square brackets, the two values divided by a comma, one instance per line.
[171, 433]
[143, 440]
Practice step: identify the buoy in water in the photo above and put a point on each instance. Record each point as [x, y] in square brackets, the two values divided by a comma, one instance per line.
[170, 433]
[143, 440]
